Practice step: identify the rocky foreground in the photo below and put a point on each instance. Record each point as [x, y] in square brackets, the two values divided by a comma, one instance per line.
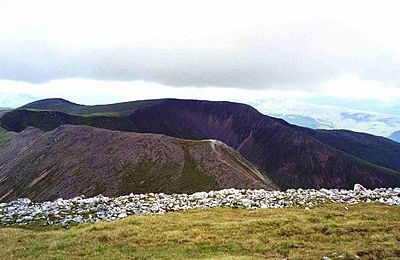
[66, 212]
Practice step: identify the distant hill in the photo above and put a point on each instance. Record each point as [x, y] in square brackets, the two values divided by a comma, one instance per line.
[73, 160]
[395, 136]
[65, 106]
[291, 156]
[3, 110]
[58, 104]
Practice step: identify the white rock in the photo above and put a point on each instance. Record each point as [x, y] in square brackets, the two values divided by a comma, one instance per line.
[81, 209]
[359, 188]
[122, 215]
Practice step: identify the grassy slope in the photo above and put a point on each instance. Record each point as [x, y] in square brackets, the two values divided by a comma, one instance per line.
[75, 160]
[150, 177]
[4, 137]
[370, 231]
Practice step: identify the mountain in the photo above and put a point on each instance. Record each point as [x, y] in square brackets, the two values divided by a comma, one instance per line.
[4, 137]
[4, 110]
[395, 136]
[291, 156]
[73, 160]
[375, 149]
[65, 106]
[58, 104]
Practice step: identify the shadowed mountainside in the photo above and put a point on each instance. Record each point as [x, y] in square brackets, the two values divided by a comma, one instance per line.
[376, 149]
[292, 156]
[75, 160]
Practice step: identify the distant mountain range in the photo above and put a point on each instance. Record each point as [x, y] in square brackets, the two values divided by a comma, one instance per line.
[368, 116]
[395, 136]
[289, 155]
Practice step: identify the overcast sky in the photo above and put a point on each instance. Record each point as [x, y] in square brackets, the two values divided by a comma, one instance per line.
[107, 51]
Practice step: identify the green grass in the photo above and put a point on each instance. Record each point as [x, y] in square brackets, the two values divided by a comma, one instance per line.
[4, 137]
[369, 231]
[148, 175]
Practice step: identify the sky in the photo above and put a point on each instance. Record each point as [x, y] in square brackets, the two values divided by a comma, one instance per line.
[97, 52]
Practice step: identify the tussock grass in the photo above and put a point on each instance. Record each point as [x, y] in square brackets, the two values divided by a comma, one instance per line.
[368, 231]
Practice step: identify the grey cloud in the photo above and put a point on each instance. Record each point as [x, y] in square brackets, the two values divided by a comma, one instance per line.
[292, 61]
[246, 70]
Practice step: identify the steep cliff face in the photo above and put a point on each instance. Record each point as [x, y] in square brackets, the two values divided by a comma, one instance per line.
[74, 160]
[292, 156]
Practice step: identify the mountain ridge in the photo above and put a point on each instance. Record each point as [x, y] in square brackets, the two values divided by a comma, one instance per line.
[73, 160]
[293, 156]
